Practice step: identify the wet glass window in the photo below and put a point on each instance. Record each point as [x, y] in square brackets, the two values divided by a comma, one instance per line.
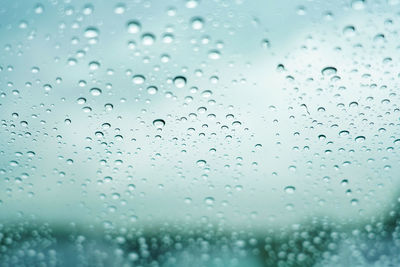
[199, 133]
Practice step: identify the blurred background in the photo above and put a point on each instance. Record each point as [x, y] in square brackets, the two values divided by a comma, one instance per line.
[199, 133]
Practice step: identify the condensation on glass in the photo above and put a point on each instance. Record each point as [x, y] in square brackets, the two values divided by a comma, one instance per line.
[199, 133]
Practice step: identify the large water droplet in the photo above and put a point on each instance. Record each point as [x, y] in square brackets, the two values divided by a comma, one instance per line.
[119, 8]
[133, 26]
[95, 91]
[148, 39]
[197, 23]
[209, 201]
[192, 3]
[91, 32]
[358, 4]
[159, 123]
[152, 90]
[214, 54]
[349, 31]
[201, 163]
[360, 139]
[328, 71]
[290, 189]
[179, 81]
[138, 79]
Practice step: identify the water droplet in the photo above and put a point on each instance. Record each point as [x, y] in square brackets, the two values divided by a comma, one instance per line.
[265, 43]
[99, 134]
[82, 83]
[133, 26]
[214, 54]
[358, 4]
[290, 189]
[159, 123]
[94, 65]
[148, 39]
[197, 23]
[209, 201]
[379, 38]
[354, 202]
[39, 9]
[95, 91]
[152, 90]
[138, 79]
[87, 109]
[23, 24]
[108, 107]
[328, 71]
[179, 81]
[201, 163]
[192, 3]
[289, 207]
[91, 32]
[353, 104]
[168, 38]
[47, 87]
[360, 139]
[301, 11]
[87, 9]
[206, 93]
[349, 31]
[119, 8]
[106, 126]
[236, 124]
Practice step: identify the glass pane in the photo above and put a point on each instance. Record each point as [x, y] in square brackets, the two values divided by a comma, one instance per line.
[199, 133]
